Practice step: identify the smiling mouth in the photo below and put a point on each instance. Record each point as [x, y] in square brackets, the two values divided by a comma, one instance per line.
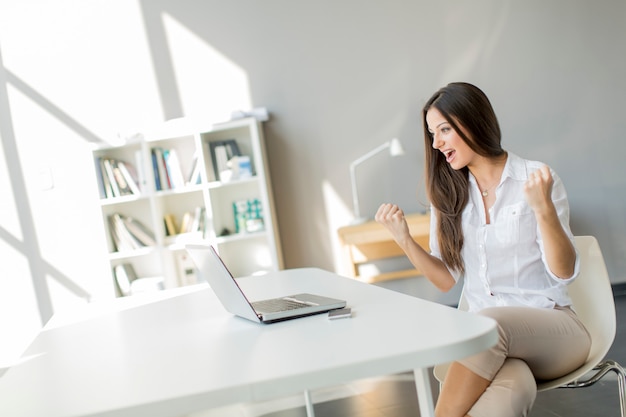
[449, 155]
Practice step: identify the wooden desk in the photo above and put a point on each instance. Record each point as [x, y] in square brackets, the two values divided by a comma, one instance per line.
[371, 241]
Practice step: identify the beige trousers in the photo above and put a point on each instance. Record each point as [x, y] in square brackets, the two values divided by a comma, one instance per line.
[534, 344]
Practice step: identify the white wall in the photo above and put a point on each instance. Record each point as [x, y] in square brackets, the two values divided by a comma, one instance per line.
[339, 78]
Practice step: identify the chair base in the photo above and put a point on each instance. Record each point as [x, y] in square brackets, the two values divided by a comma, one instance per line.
[601, 370]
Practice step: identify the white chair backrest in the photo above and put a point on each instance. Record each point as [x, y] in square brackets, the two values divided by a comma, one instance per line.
[593, 298]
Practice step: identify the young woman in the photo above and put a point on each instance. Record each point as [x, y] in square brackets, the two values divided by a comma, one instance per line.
[502, 223]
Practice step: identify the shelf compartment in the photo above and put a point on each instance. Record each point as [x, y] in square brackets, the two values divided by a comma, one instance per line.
[241, 135]
[131, 157]
[140, 211]
[179, 169]
[178, 207]
[223, 198]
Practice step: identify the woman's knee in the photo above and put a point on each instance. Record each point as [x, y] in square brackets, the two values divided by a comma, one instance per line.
[511, 393]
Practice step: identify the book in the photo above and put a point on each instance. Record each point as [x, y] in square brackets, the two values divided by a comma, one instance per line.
[255, 222]
[241, 167]
[194, 174]
[193, 221]
[174, 171]
[204, 226]
[166, 184]
[224, 173]
[123, 185]
[129, 234]
[197, 219]
[170, 225]
[116, 240]
[226, 149]
[130, 176]
[108, 171]
[161, 179]
[122, 239]
[185, 224]
[240, 210]
[248, 216]
[116, 178]
[139, 231]
[155, 169]
[124, 276]
[128, 241]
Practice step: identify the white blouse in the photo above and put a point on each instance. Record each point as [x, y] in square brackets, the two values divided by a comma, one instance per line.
[505, 262]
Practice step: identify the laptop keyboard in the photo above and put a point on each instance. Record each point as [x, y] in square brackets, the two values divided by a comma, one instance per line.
[280, 304]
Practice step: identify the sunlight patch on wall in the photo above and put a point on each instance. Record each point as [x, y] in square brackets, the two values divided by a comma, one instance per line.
[89, 62]
[210, 85]
[338, 215]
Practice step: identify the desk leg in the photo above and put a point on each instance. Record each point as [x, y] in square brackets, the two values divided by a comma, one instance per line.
[424, 394]
[308, 404]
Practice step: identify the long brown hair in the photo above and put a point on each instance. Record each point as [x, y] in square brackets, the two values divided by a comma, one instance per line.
[462, 105]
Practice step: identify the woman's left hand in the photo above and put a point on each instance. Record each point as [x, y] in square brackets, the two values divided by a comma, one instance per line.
[538, 189]
[559, 251]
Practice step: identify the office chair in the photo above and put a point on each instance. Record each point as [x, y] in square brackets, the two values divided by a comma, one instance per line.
[593, 300]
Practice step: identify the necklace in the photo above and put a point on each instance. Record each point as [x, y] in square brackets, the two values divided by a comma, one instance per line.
[485, 191]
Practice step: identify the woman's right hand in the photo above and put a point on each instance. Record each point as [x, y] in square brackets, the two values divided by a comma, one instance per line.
[392, 217]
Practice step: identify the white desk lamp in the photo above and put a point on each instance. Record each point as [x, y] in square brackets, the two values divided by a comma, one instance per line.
[395, 149]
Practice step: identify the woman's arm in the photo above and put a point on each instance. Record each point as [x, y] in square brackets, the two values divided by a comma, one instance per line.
[559, 251]
[392, 217]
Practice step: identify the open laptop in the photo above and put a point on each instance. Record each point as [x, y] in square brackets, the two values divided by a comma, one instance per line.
[212, 269]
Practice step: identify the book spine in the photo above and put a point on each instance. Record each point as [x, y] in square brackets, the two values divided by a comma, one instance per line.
[185, 224]
[166, 184]
[170, 224]
[127, 173]
[174, 171]
[139, 231]
[115, 191]
[127, 241]
[155, 169]
[122, 184]
[194, 175]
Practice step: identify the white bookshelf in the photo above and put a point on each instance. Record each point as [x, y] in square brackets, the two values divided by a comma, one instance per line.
[253, 250]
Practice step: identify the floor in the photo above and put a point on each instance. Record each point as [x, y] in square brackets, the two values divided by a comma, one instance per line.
[395, 396]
